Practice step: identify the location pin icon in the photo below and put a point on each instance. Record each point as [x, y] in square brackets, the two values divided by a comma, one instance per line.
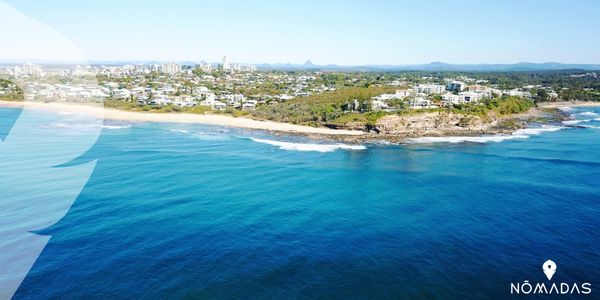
[549, 268]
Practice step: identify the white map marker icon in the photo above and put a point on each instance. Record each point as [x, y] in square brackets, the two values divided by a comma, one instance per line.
[549, 268]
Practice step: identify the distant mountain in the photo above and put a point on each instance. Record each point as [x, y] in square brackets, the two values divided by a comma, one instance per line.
[308, 65]
[436, 66]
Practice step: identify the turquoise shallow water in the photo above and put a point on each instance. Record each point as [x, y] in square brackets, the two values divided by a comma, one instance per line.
[191, 211]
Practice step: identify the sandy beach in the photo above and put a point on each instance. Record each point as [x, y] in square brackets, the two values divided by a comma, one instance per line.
[209, 119]
[569, 104]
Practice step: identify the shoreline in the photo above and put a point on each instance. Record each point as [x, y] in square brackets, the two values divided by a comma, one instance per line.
[206, 119]
[278, 129]
[569, 104]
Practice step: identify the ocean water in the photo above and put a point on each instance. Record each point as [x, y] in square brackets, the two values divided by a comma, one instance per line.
[193, 211]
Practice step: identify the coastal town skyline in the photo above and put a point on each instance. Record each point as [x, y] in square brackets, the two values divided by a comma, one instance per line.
[345, 34]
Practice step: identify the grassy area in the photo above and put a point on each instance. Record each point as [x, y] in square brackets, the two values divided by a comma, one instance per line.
[332, 108]
[132, 106]
[325, 108]
[499, 106]
[368, 119]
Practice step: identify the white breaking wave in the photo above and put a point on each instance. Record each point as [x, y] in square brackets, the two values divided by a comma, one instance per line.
[465, 139]
[116, 126]
[536, 131]
[209, 136]
[179, 131]
[574, 122]
[590, 126]
[519, 134]
[588, 114]
[310, 147]
[202, 135]
[84, 126]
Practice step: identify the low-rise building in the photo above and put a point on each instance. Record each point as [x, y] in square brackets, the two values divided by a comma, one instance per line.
[420, 103]
[378, 105]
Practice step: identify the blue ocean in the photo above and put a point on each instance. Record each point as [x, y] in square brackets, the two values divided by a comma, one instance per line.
[201, 212]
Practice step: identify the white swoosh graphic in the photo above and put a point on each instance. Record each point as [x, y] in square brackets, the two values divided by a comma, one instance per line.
[35, 190]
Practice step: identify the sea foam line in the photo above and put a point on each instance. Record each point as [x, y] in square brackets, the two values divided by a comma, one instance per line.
[179, 131]
[519, 134]
[116, 126]
[575, 122]
[85, 126]
[309, 147]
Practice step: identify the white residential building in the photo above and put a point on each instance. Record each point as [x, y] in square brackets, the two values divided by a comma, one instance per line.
[170, 68]
[184, 101]
[518, 93]
[249, 105]
[233, 99]
[399, 94]
[377, 105]
[462, 98]
[214, 104]
[471, 96]
[161, 101]
[430, 88]
[218, 105]
[458, 86]
[204, 67]
[285, 97]
[420, 103]
[32, 69]
[450, 98]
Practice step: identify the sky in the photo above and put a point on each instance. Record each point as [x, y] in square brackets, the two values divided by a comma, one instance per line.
[327, 32]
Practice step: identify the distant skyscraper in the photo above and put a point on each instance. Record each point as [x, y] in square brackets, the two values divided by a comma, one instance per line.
[171, 68]
[32, 69]
[224, 63]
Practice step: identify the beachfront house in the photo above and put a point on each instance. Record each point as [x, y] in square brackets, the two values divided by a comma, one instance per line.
[161, 101]
[218, 105]
[214, 104]
[184, 101]
[249, 105]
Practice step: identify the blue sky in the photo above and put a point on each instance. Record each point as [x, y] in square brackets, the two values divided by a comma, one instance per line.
[327, 32]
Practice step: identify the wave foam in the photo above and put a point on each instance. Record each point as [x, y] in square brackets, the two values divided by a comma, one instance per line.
[465, 139]
[588, 114]
[179, 131]
[573, 122]
[112, 127]
[84, 126]
[536, 131]
[519, 134]
[590, 126]
[310, 147]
